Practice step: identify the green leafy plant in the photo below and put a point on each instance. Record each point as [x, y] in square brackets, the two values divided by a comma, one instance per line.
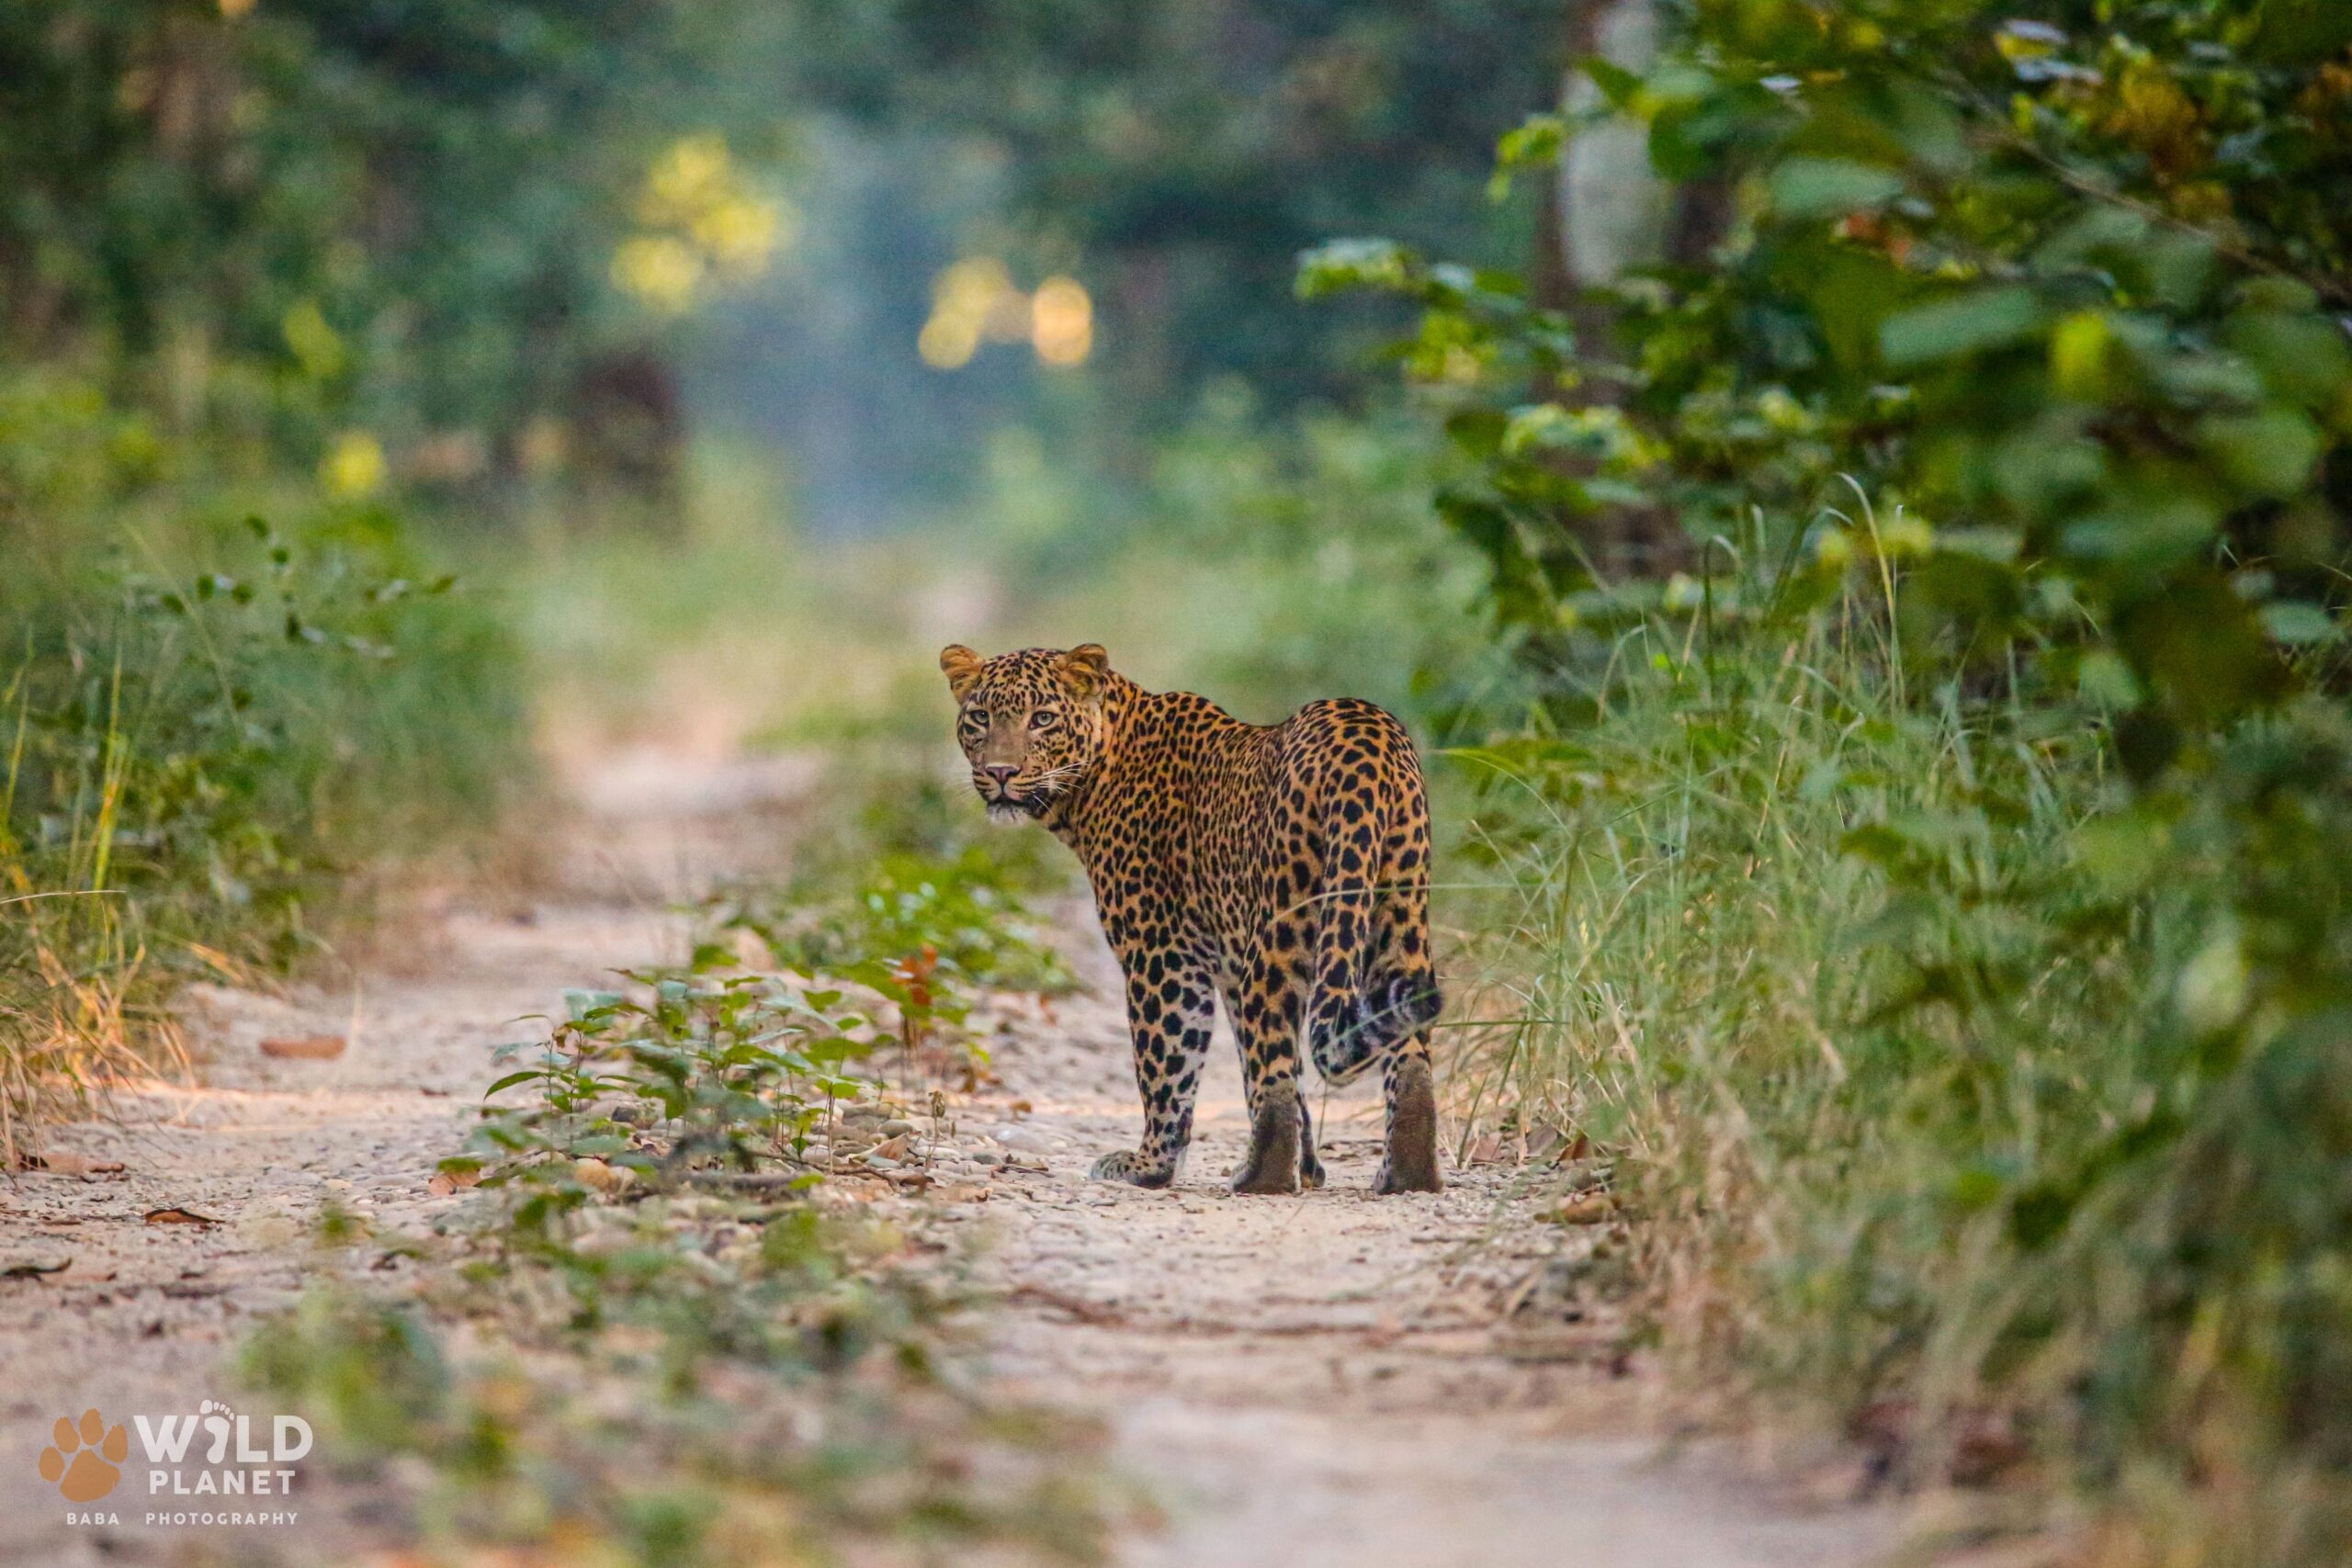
[2051, 289]
[211, 733]
[709, 1072]
[907, 900]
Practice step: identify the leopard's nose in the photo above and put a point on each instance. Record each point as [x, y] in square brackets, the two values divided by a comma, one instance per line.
[1000, 773]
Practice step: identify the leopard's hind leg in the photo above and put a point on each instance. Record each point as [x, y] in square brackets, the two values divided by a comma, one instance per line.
[1264, 1013]
[1375, 985]
[1410, 1163]
[1402, 993]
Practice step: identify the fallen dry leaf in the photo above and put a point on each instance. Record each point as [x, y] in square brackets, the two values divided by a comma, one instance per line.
[976, 1077]
[176, 1217]
[1588, 1209]
[1487, 1150]
[305, 1047]
[962, 1194]
[33, 1270]
[1549, 1145]
[445, 1182]
[895, 1148]
[72, 1165]
[602, 1178]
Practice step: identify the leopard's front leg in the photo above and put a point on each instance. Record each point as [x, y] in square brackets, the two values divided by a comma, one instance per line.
[1169, 1008]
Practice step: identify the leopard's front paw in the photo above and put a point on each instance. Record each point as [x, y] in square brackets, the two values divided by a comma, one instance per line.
[1129, 1166]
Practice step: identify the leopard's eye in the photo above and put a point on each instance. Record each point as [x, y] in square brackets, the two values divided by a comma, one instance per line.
[1044, 718]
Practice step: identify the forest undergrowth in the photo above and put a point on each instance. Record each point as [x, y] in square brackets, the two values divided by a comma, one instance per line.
[677, 1317]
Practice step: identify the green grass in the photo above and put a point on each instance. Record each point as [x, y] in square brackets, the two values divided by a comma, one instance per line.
[214, 730]
[1884, 1003]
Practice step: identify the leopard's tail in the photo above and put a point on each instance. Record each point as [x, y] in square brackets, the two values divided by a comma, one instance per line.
[1373, 987]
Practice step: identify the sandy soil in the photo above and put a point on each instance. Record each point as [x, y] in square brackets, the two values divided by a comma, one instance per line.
[1327, 1379]
[1310, 1381]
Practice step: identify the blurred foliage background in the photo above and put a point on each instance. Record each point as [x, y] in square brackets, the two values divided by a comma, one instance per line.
[1855, 491]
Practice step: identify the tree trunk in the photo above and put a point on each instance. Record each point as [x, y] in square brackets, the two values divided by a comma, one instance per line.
[1614, 211]
[1613, 216]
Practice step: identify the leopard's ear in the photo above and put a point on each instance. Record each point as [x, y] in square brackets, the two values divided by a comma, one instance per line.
[1084, 667]
[961, 666]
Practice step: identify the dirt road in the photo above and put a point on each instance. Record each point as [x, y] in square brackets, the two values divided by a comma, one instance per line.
[1302, 1380]
[1320, 1379]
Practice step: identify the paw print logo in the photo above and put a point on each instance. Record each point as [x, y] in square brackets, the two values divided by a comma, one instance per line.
[219, 1420]
[85, 1461]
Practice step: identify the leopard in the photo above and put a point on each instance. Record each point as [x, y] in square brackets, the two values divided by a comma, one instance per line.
[1281, 871]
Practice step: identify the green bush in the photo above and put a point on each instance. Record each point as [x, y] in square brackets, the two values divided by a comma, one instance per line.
[1917, 1050]
[212, 729]
[2046, 1154]
[912, 894]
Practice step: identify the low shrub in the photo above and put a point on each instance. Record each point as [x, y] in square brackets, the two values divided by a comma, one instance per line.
[213, 727]
[1917, 1043]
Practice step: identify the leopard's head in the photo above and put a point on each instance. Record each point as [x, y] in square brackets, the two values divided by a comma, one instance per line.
[1031, 723]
